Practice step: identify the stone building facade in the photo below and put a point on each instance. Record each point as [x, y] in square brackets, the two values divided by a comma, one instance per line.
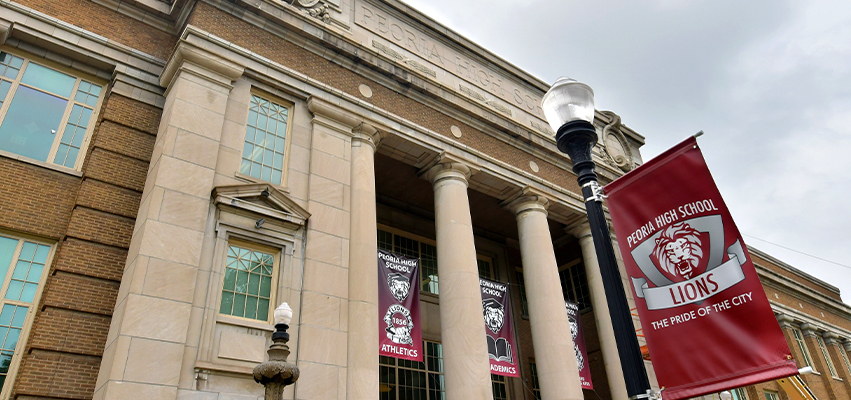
[175, 169]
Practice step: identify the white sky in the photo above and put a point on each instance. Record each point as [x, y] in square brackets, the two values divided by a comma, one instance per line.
[769, 81]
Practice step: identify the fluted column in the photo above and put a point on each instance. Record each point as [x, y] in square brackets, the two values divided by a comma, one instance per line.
[362, 366]
[465, 356]
[608, 345]
[558, 375]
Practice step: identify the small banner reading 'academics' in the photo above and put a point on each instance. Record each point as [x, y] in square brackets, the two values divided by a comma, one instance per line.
[575, 321]
[399, 307]
[708, 324]
[496, 308]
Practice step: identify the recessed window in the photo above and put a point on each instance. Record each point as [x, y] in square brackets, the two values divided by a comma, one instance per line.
[23, 266]
[405, 379]
[739, 394]
[248, 286]
[830, 367]
[45, 114]
[264, 153]
[805, 353]
[536, 387]
[771, 395]
[574, 284]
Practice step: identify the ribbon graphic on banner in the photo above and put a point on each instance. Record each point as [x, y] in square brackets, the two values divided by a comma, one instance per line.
[399, 302]
[708, 324]
[696, 289]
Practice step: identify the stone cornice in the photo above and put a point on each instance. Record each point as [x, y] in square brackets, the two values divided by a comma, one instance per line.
[793, 270]
[789, 286]
[799, 317]
[214, 67]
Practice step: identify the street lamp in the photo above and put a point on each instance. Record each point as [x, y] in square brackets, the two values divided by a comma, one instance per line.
[569, 109]
[277, 373]
[726, 395]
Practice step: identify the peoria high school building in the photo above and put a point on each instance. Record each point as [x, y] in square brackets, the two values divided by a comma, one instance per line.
[173, 170]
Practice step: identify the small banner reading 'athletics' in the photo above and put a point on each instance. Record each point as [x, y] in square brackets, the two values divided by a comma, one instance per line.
[575, 321]
[708, 325]
[496, 308]
[399, 307]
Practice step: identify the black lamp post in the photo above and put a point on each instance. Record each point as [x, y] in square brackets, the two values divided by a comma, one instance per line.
[569, 108]
[277, 373]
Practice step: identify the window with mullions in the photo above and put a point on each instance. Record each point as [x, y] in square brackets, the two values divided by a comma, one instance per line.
[23, 266]
[536, 388]
[771, 395]
[500, 391]
[574, 285]
[264, 152]
[45, 114]
[799, 338]
[739, 394]
[845, 359]
[408, 247]
[412, 380]
[248, 278]
[830, 367]
[524, 302]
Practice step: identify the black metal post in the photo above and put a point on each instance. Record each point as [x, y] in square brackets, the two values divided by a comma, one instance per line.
[576, 138]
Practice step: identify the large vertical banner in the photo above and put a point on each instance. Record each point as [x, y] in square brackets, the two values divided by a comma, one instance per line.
[399, 307]
[707, 321]
[496, 308]
[575, 321]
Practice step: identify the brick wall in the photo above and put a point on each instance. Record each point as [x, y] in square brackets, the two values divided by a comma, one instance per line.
[98, 214]
[395, 101]
[108, 23]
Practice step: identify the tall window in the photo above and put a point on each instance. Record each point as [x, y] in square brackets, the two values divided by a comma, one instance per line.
[409, 247]
[739, 394]
[574, 284]
[799, 338]
[23, 267]
[264, 152]
[500, 390]
[845, 359]
[827, 359]
[412, 380]
[248, 282]
[524, 302]
[771, 395]
[536, 386]
[45, 114]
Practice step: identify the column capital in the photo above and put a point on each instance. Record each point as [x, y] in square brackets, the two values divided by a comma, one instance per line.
[527, 199]
[580, 229]
[343, 121]
[449, 167]
[830, 338]
[784, 320]
[202, 63]
[808, 329]
[846, 344]
[367, 134]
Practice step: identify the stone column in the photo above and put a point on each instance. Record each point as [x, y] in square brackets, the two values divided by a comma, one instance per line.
[608, 345]
[465, 355]
[558, 375]
[149, 334]
[362, 366]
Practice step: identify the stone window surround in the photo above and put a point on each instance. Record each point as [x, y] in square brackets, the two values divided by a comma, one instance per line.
[282, 231]
[76, 73]
[27, 326]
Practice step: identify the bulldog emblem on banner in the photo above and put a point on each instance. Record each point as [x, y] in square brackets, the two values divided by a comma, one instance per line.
[399, 302]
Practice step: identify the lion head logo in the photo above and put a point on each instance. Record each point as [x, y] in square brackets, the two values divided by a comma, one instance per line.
[399, 285]
[494, 314]
[678, 251]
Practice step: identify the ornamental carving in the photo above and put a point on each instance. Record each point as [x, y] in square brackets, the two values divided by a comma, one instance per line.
[616, 150]
[319, 9]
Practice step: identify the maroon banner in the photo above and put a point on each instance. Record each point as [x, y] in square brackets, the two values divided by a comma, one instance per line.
[496, 308]
[707, 321]
[399, 307]
[578, 336]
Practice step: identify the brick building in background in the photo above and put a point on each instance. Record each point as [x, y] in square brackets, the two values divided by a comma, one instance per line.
[143, 141]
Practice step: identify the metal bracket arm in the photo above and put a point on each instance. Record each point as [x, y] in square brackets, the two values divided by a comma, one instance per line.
[596, 192]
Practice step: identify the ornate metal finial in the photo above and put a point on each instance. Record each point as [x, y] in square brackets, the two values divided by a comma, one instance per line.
[277, 373]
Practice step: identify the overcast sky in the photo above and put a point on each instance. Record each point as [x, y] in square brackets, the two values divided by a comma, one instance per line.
[768, 81]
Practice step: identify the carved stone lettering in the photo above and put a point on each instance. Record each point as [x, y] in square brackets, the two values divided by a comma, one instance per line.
[434, 52]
